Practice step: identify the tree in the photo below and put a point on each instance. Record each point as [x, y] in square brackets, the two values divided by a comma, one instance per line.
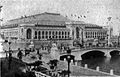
[20, 54]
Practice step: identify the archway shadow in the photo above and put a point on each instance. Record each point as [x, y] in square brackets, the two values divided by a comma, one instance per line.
[93, 58]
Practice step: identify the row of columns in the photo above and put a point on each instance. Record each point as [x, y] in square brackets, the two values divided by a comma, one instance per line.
[63, 34]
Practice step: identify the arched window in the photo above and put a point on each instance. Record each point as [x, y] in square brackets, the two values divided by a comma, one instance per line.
[39, 35]
[22, 31]
[65, 34]
[62, 34]
[35, 35]
[56, 34]
[46, 34]
[29, 34]
[53, 34]
[77, 32]
[68, 34]
[49, 34]
[59, 35]
[42, 34]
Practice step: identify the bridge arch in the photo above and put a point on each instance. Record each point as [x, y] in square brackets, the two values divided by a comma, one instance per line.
[92, 54]
[114, 53]
[79, 52]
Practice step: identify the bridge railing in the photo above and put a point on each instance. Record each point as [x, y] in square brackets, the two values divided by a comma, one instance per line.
[39, 74]
[90, 48]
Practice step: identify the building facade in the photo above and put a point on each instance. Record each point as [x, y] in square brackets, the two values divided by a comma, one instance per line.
[88, 34]
[115, 41]
[42, 29]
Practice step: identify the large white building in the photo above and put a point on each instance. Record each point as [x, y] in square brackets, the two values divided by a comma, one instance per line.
[43, 28]
[40, 29]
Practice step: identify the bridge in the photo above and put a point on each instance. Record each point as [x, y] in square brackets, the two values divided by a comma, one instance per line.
[94, 52]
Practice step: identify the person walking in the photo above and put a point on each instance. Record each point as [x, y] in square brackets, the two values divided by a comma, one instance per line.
[26, 52]
[20, 54]
[40, 56]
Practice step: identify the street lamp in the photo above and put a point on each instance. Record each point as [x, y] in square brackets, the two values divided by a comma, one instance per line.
[118, 40]
[68, 57]
[10, 54]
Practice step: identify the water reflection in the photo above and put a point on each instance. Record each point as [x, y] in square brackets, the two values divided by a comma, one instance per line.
[105, 64]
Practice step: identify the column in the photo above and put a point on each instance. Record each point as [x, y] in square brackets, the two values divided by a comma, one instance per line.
[48, 34]
[33, 33]
[24, 34]
[19, 33]
[74, 29]
[107, 54]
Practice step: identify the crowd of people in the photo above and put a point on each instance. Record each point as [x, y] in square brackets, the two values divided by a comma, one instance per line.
[26, 52]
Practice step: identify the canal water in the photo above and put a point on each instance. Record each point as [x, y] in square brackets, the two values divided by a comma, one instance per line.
[105, 64]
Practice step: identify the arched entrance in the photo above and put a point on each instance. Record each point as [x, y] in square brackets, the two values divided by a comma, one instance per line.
[29, 33]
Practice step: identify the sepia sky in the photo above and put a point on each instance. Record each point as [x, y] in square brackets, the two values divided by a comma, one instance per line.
[100, 12]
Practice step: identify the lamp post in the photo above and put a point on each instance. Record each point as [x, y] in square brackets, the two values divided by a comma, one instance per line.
[68, 57]
[10, 54]
[118, 40]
